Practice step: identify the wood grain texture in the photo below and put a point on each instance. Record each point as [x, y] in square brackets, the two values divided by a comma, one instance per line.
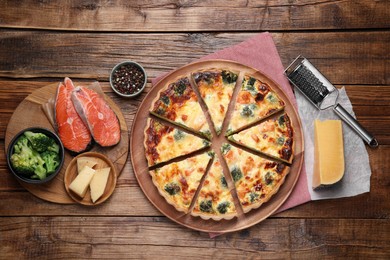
[129, 200]
[371, 104]
[344, 57]
[44, 41]
[171, 15]
[129, 237]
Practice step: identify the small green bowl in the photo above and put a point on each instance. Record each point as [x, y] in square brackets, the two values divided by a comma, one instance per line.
[10, 151]
[113, 78]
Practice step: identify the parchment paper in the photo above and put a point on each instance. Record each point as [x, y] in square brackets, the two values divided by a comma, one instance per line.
[357, 174]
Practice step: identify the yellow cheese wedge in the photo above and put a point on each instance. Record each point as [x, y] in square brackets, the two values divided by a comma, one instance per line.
[85, 161]
[329, 153]
[98, 183]
[81, 183]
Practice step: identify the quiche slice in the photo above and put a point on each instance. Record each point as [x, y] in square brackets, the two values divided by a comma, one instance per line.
[216, 89]
[177, 182]
[215, 200]
[273, 137]
[177, 102]
[255, 101]
[256, 179]
[163, 143]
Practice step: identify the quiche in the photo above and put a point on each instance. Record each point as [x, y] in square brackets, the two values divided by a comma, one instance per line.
[215, 200]
[178, 103]
[255, 101]
[177, 182]
[163, 142]
[273, 137]
[247, 171]
[216, 89]
[256, 179]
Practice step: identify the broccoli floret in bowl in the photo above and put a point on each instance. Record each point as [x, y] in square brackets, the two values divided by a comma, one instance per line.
[35, 155]
[39, 141]
[24, 160]
[51, 159]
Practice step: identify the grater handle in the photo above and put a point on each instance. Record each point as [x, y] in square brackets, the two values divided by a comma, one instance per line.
[355, 125]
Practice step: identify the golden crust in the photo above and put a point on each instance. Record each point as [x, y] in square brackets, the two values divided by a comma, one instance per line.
[216, 88]
[145, 142]
[164, 143]
[182, 178]
[248, 208]
[256, 100]
[215, 196]
[204, 216]
[178, 103]
[263, 138]
[216, 216]
[168, 198]
[256, 179]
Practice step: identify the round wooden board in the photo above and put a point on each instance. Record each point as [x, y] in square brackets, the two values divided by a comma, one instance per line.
[141, 169]
[29, 113]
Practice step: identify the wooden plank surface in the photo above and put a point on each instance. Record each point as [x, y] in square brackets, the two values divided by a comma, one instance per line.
[128, 199]
[344, 57]
[44, 41]
[107, 237]
[371, 103]
[169, 15]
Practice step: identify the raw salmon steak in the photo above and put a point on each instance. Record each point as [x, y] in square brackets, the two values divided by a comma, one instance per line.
[97, 115]
[72, 131]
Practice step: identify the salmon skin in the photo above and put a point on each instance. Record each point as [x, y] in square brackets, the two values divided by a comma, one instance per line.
[72, 131]
[97, 115]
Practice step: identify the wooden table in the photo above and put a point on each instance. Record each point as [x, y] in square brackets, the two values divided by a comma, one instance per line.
[44, 41]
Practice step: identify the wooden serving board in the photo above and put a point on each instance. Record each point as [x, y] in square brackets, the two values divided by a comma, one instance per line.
[141, 169]
[29, 113]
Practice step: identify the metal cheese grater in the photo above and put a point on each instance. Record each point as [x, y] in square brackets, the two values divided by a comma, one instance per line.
[322, 94]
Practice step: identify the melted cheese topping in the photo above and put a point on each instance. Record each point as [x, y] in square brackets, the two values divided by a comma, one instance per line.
[255, 101]
[217, 95]
[191, 115]
[172, 143]
[214, 197]
[256, 179]
[272, 137]
[179, 104]
[178, 182]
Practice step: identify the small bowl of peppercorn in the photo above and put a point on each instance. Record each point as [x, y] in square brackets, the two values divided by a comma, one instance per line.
[128, 79]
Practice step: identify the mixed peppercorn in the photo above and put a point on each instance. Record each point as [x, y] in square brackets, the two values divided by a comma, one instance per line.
[128, 79]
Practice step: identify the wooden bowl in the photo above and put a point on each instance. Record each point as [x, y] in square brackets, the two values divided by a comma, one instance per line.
[71, 173]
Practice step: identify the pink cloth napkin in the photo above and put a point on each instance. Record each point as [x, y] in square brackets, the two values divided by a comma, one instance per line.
[260, 53]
